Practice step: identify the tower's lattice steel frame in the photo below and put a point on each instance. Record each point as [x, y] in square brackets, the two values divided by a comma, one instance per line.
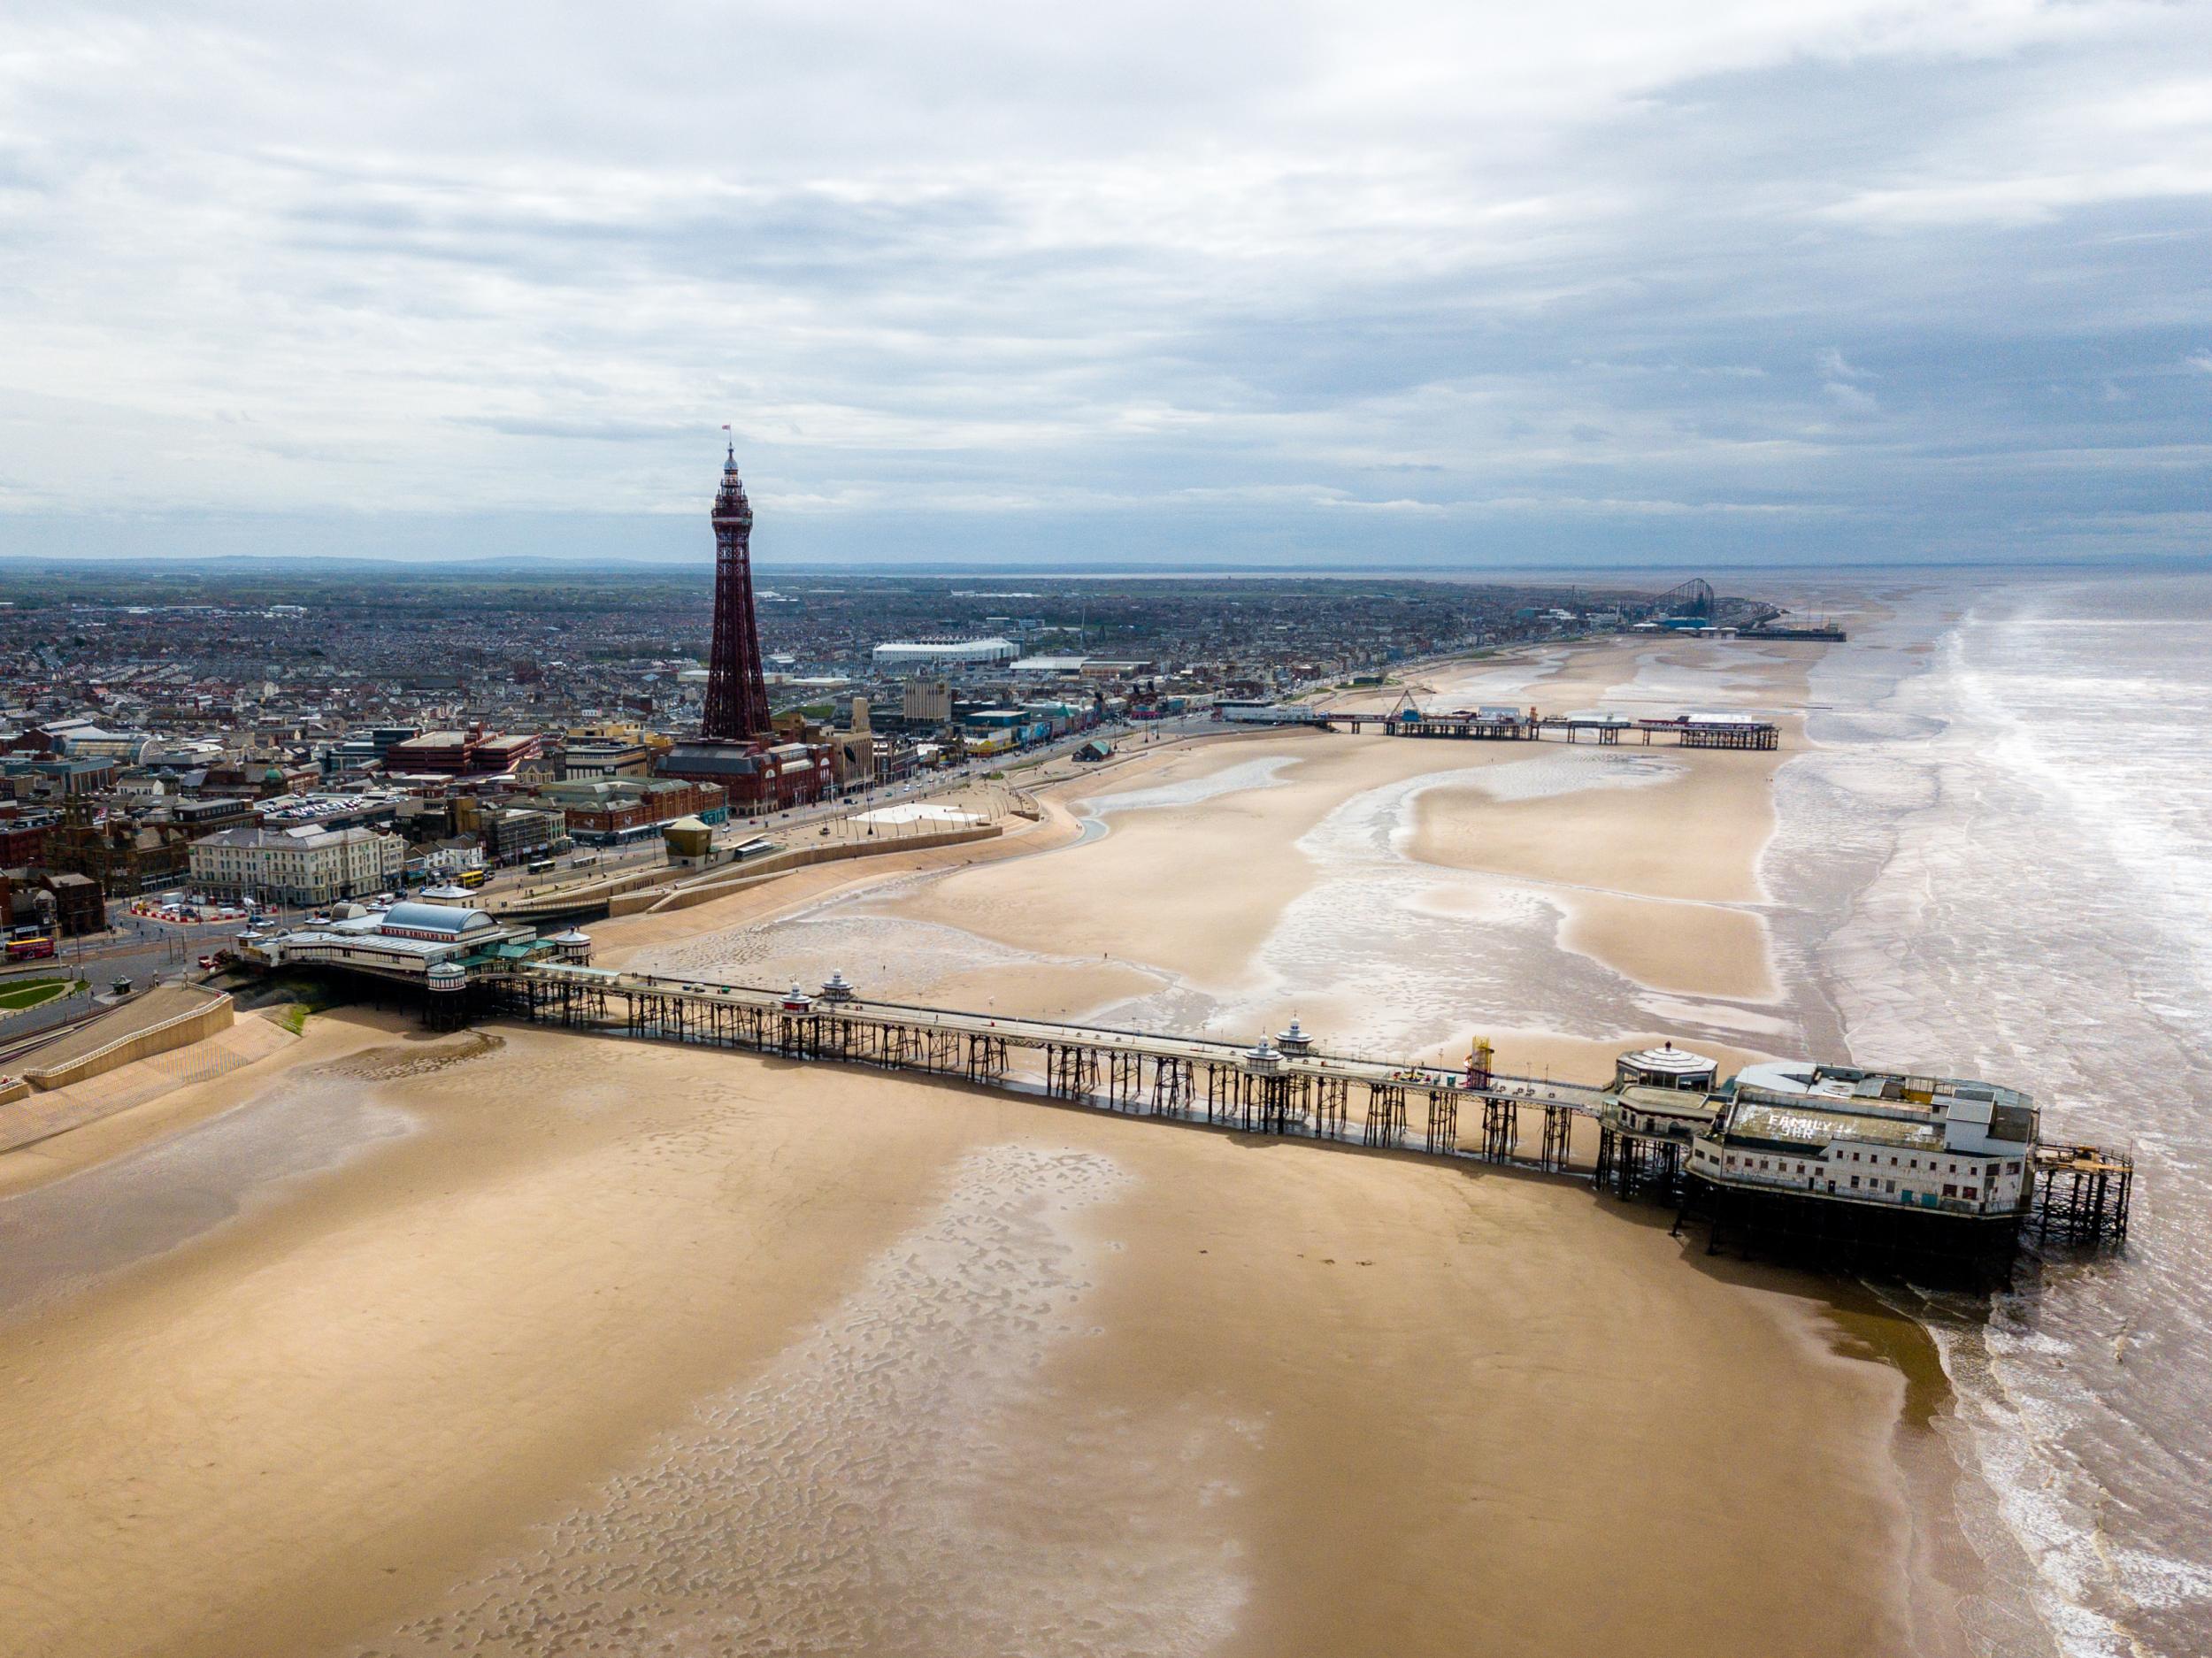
[737, 689]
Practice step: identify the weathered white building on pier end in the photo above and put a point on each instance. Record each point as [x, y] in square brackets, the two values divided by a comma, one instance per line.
[1884, 1170]
[1835, 1132]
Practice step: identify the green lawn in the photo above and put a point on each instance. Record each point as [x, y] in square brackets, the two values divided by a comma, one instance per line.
[31, 992]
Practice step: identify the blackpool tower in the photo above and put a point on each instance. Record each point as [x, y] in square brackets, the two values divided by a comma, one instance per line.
[737, 692]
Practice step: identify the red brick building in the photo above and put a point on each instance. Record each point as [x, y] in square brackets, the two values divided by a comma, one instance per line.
[601, 808]
[756, 777]
[472, 753]
[24, 843]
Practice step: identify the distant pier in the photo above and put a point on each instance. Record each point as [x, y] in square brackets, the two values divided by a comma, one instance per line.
[1703, 731]
[1686, 731]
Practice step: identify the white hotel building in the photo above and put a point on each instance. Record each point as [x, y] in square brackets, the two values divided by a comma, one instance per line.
[303, 866]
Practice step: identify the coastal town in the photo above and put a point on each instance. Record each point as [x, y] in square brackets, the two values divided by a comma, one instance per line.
[1183, 831]
[289, 741]
[454, 860]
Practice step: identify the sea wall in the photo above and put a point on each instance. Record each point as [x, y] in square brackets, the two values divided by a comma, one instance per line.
[782, 862]
[178, 1030]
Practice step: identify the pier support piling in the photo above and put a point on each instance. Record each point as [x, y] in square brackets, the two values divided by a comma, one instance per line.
[1443, 1120]
[1501, 1128]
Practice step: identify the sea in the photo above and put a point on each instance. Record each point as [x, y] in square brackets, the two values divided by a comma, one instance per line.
[1995, 860]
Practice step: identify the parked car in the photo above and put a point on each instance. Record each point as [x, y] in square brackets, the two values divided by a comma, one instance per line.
[207, 961]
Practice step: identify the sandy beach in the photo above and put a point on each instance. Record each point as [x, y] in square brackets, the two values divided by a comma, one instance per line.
[527, 1342]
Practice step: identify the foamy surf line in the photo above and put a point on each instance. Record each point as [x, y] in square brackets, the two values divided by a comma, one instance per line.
[2031, 863]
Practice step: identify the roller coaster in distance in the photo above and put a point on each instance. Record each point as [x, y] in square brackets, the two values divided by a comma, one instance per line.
[1693, 598]
[1694, 601]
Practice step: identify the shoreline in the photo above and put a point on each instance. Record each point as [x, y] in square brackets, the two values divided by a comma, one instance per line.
[1837, 1324]
[1210, 1233]
[1977, 1566]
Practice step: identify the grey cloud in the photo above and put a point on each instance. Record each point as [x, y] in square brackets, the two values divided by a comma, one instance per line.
[1205, 274]
[585, 431]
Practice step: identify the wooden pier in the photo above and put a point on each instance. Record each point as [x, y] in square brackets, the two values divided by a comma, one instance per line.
[1288, 1086]
[1283, 1087]
[2082, 1196]
[2077, 1199]
[1686, 733]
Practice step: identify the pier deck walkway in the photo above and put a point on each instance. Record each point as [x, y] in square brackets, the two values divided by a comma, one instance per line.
[1706, 732]
[1286, 1087]
[2076, 1196]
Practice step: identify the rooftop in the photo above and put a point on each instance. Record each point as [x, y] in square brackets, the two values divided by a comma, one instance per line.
[1687, 1102]
[443, 918]
[1813, 1127]
[1870, 1090]
[308, 835]
[1796, 1103]
[1669, 1061]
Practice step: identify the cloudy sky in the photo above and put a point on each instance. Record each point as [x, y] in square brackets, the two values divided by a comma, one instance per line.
[1613, 281]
